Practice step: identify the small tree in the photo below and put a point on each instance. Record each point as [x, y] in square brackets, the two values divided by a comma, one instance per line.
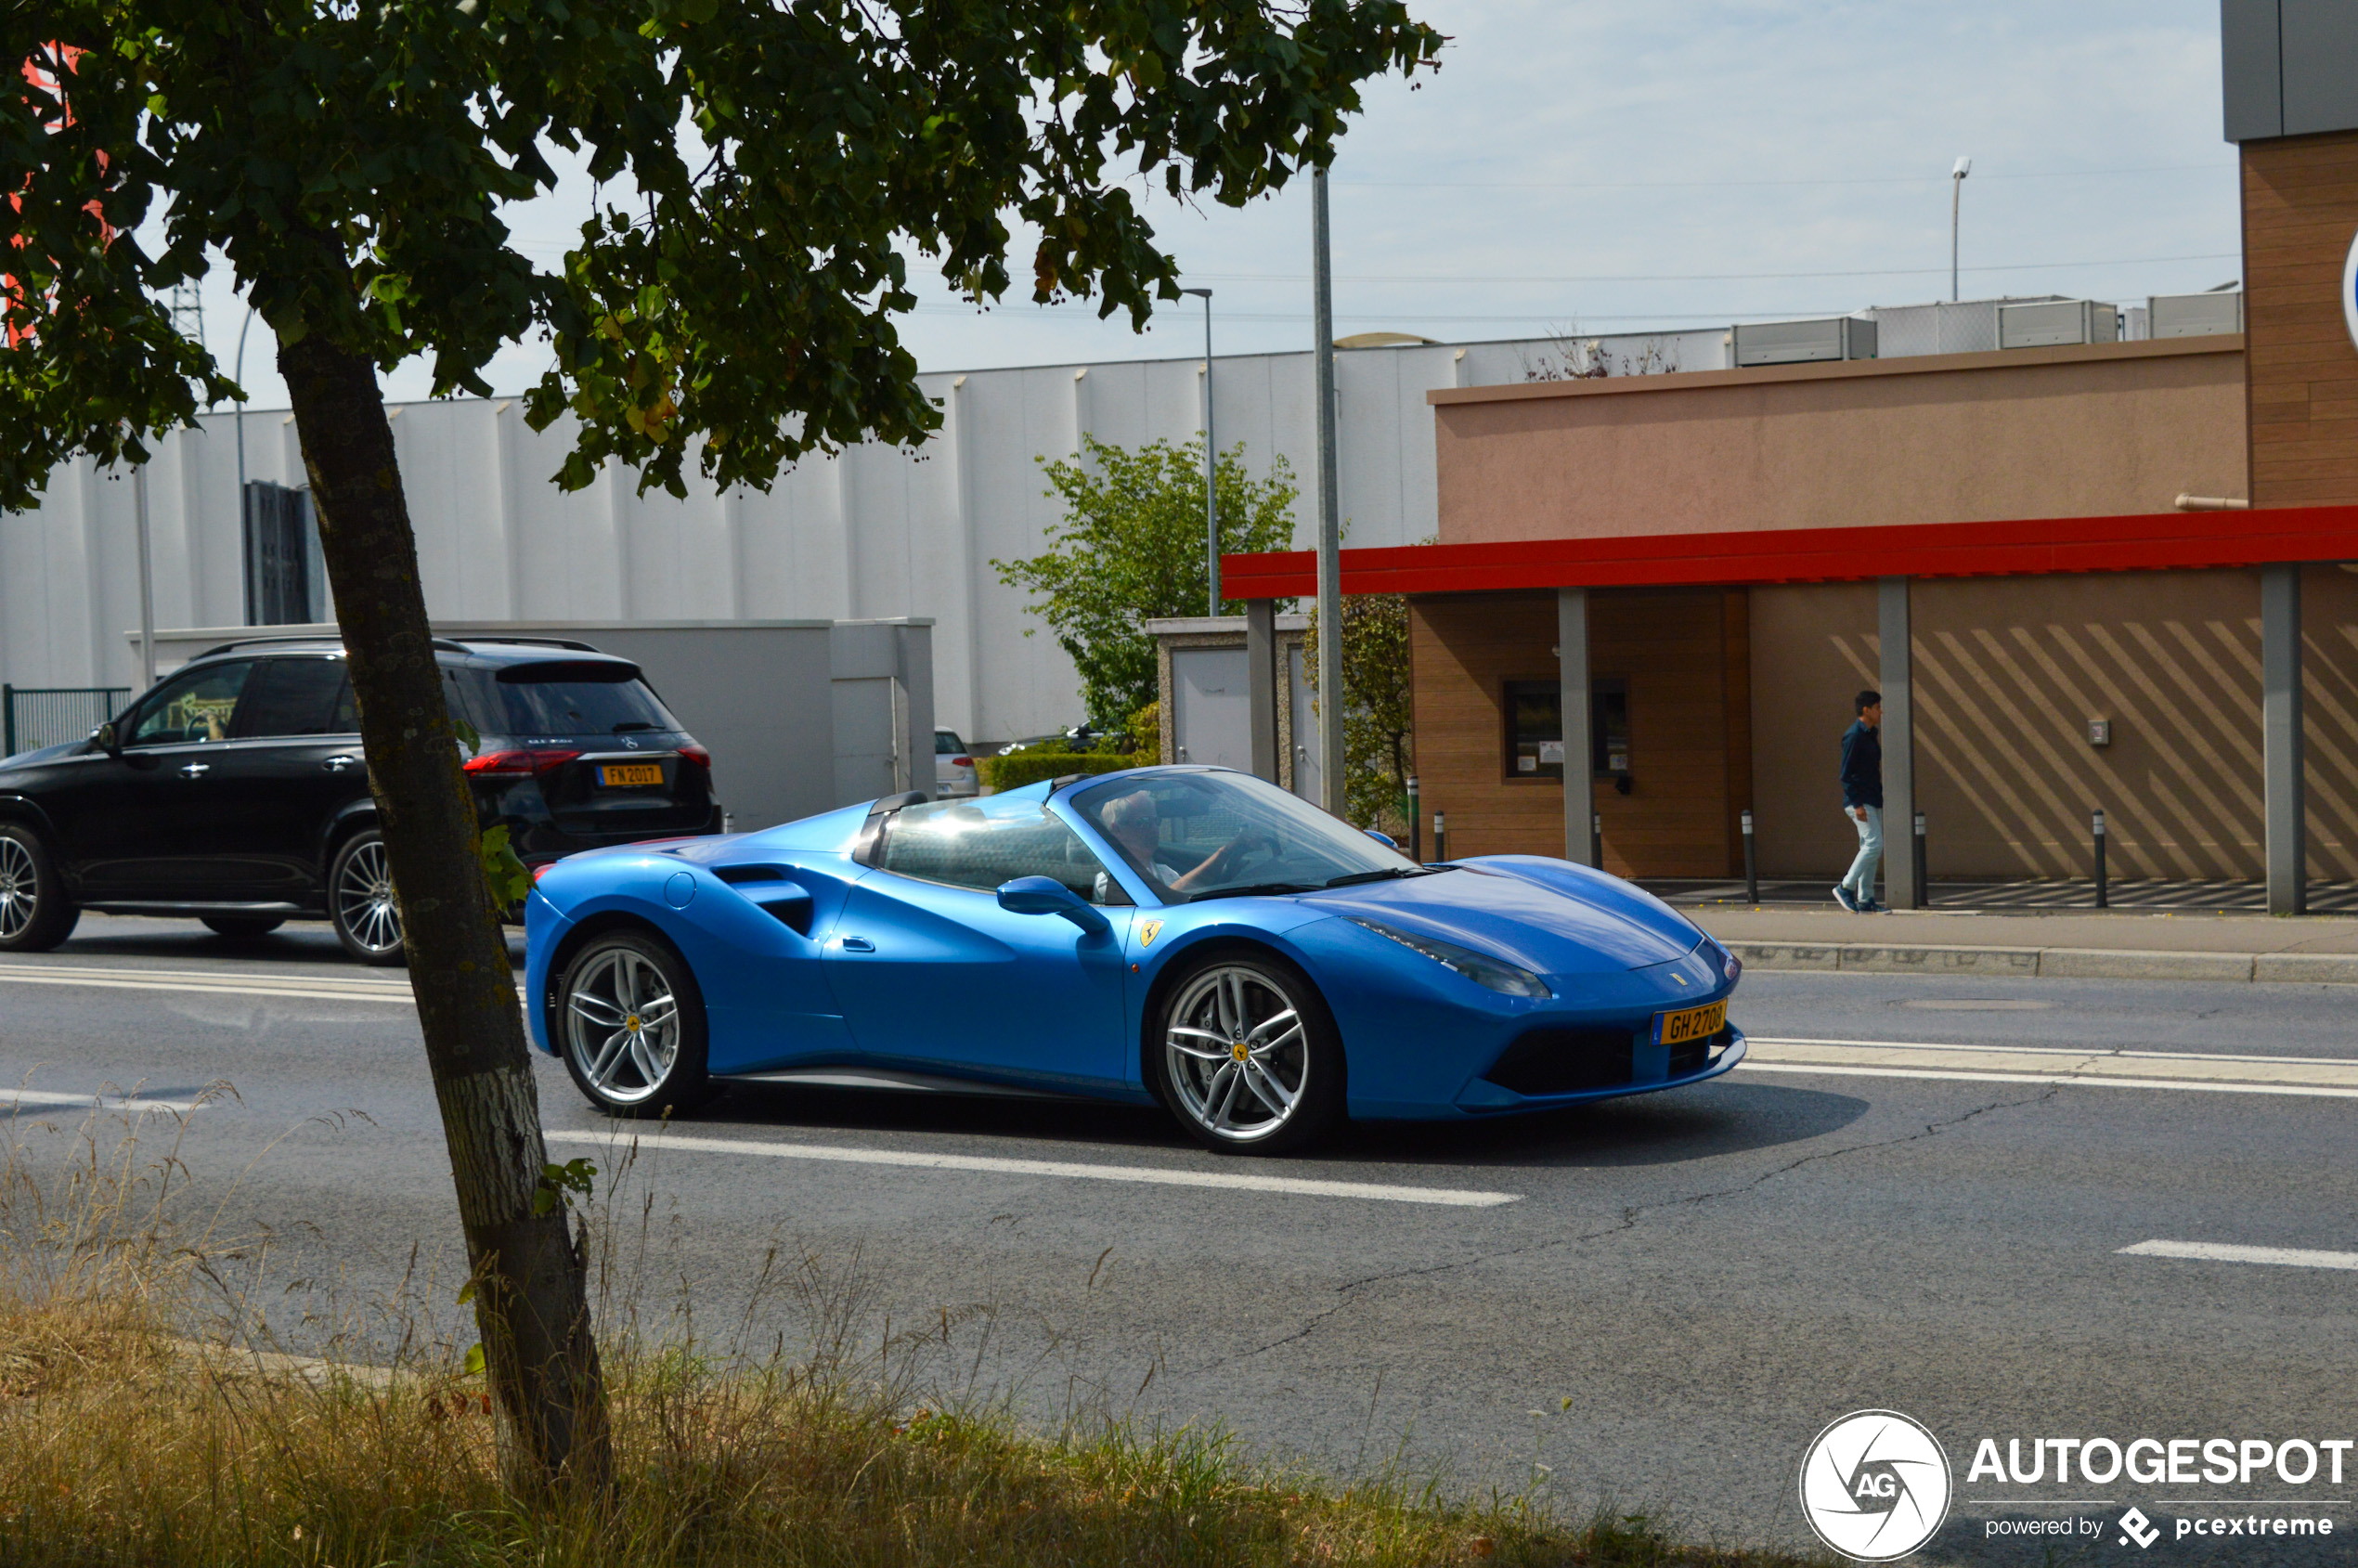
[351, 162]
[1131, 548]
[1378, 732]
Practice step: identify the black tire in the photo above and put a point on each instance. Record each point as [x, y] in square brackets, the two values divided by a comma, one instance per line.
[1287, 1086]
[362, 905]
[35, 912]
[626, 1059]
[241, 929]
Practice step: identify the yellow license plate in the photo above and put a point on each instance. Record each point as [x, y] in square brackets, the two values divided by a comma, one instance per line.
[618, 776]
[1691, 1023]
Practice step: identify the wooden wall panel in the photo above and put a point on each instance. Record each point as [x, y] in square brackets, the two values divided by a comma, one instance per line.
[1684, 654]
[2299, 211]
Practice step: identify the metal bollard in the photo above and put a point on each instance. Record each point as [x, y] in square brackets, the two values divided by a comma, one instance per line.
[1597, 841]
[1415, 823]
[1923, 885]
[1752, 865]
[2103, 900]
[1440, 836]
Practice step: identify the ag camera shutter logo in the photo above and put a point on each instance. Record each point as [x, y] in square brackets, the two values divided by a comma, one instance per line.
[1875, 1486]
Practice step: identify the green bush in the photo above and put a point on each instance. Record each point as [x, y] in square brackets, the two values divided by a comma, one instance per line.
[1035, 763]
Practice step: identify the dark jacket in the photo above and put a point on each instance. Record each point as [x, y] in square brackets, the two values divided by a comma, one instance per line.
[1861, 767]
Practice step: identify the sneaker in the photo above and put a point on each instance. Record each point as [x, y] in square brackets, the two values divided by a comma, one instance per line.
[1843, 897]
[1869, 906]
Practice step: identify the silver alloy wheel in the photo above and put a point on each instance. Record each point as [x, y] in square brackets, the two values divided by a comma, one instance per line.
[1237, 1054]
[621, 1024]
[364, 898]
[20, 886]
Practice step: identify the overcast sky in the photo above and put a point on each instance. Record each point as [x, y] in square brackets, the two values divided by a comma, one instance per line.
[1610, 165]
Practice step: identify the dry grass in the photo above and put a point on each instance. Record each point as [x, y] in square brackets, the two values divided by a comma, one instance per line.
[120, 1445]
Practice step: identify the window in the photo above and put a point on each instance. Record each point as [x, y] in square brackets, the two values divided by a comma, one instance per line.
[1535, 728]
[199, 705]
[1199, 836]
[979, 844]
[579, 698]
[947, 744]
[283, 574]
[292, 698]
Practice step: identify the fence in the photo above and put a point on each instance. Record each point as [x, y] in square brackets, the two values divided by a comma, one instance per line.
[34, 716]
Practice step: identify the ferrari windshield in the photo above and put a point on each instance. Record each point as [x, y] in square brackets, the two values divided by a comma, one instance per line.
[1223, 835]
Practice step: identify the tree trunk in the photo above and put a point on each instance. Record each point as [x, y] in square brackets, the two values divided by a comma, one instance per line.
[529, 1273]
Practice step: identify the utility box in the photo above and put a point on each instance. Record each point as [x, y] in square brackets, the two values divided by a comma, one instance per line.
[2049, 324]
[1801, 342]
[2196, 316]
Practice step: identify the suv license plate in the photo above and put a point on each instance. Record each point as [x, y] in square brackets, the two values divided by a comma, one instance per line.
[1691, 1023]
[622, 775]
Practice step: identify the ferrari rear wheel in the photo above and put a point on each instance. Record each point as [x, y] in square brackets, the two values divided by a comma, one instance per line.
[632, 1026]
[1248, 1059]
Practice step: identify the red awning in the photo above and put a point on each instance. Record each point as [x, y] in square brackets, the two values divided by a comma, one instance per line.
[2140, 543]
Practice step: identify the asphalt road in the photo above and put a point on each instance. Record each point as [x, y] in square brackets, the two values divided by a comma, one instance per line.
[1661, 1300]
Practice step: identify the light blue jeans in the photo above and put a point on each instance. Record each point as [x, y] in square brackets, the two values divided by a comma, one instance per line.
[1861, 877]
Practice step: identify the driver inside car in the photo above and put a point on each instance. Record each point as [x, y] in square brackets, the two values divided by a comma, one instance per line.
[1134, 821]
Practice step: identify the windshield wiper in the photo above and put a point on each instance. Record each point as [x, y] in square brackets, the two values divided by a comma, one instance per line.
[1252, 889]
[1384, 874]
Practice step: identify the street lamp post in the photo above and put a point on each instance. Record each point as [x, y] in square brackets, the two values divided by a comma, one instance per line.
[1332, 764]
[1956, 193]
[245, 520]
[1211, 456]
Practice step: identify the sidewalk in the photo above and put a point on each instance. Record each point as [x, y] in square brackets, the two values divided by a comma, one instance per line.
[2070, 945]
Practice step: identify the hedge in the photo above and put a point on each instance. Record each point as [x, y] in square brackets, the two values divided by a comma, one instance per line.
[1034, 763]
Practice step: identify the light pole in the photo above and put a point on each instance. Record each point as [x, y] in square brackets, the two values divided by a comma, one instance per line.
[1956, 193]
[245, 522]
[1210, 452]
[1331, 778]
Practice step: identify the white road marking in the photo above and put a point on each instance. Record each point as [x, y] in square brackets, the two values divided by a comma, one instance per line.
[219, 982]
[1458, 1197]
[2220, 1252]
[16, 1099]
[2180, 1071]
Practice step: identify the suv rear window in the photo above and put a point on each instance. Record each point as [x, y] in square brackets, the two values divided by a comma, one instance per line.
[576, 698]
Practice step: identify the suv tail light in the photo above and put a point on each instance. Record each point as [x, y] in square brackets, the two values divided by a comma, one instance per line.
[516, 764]
[696, 755]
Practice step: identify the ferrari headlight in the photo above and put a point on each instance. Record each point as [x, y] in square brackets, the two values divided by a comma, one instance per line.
[1491, 973]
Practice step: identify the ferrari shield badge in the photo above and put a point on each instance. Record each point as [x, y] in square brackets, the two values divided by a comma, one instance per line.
[1147, 932]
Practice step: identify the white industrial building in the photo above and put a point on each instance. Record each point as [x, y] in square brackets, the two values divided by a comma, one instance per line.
[876, 532]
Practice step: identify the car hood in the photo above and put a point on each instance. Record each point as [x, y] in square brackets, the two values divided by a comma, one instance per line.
[1549, 917]
[43, 754]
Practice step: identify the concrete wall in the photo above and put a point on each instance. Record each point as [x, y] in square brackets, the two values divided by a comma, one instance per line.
[2089, 431]
[2008, 672]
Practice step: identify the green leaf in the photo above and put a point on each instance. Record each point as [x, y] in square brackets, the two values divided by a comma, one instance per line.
[504, 874]
[473, 1364]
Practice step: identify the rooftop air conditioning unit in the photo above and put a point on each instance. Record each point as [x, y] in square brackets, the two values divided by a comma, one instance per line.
[2197, 316]
[1798, 342]
[2061, 322]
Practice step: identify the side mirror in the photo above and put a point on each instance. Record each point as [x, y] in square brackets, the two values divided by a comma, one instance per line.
[104, 738]
[1045, 895]
[1387, 840]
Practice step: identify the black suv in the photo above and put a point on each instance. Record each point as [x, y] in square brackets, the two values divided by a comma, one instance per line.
[235, 792]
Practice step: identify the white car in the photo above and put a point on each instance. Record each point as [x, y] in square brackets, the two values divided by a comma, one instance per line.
[954, 765]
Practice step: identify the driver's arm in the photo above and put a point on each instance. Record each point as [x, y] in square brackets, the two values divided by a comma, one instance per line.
[1220, 861]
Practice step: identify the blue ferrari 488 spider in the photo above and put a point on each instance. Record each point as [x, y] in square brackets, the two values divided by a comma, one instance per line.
[1187, 935]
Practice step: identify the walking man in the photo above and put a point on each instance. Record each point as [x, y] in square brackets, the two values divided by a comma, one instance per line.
[1862, 801]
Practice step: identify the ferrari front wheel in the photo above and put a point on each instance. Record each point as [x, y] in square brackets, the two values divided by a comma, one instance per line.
[631, 1026]
[1247, 1057]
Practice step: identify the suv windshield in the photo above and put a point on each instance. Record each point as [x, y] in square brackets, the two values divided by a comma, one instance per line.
[1214, 834]
[577, 698]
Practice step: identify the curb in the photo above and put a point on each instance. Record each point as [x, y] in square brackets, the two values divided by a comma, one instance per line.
[2051, 963]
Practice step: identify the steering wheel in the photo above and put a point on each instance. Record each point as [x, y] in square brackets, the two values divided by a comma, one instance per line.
[1270, 849]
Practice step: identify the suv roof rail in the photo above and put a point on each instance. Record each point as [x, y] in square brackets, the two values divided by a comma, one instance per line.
[266, 641]
[543, 642]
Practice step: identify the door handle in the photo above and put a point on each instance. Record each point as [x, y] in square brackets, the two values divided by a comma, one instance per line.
[195, 769]
[338, 764]
[858, 944]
